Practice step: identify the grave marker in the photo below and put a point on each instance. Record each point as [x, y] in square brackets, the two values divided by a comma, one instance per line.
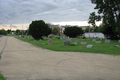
[119, 41]
[83, 43]
[66, 43]
[49, 42]
[107, 41]
[94, 40]
[89, 46]
[98, 42]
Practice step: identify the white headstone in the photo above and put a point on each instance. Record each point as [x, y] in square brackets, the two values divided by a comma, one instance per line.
[94, 40]
[119, 41]
[107, 41]
[89, 46]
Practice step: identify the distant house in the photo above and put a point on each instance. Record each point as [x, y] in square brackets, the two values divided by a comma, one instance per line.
[94, 34]
[60, 29]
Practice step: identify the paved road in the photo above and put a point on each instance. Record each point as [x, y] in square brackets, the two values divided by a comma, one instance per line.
[24, 61]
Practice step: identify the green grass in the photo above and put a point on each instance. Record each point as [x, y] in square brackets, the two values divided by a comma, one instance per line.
[102, 48]
[1, 77]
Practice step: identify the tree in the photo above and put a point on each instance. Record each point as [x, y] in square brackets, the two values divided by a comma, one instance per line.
[8, 31]
[87, 29]
[55, 30]
[3, 32]
[110, 10]
[38, 28]
[73, 31]
[17, 31]
[93, 18]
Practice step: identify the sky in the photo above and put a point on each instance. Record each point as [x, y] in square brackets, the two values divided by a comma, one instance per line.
[63, 12]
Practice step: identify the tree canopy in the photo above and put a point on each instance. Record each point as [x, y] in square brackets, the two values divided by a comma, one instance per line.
[73, 31]
[38, 29]
[110, 11]
[55, 30]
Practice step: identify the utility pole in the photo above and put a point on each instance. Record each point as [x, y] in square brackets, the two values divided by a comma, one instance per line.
[89, 30]
[11, 28]
[22, 27]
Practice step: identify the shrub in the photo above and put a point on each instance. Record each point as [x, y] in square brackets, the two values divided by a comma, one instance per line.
[38, 29]
[73, 31]
[83, 37]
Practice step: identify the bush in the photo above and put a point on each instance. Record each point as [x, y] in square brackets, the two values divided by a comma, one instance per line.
[58, 37]
[55, 31]
[3, 32]
[83, 37]
[73, 31]
[38, 29]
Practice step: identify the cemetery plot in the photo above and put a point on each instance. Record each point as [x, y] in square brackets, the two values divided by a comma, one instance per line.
[66, 43]
[98, 42]
[83, 43]
[49, 42]
[107, 41]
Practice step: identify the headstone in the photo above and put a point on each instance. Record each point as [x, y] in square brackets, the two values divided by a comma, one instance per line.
[40, 40]
[61, 38]
[89, 46]
[117, 46]
[98, 42]
[94, 40]
[66, 43]
[68, 39]
[119, 41]
[83, 43]
[20, 36]
[75, 43]
[107, 41]
[43, 43]
[49, 42]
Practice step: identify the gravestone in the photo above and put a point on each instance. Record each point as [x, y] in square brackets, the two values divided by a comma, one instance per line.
[89, 46]
[40, 40]
[68, 39]
[75, 43]
[20, 36]
[93, 40]
[107, 41]
[61, 38]
[98, 42]
[49, 42]
[43, 43]
[83, 43]
[66, 43]
[119, 41]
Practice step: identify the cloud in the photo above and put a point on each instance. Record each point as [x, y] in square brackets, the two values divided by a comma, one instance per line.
[16, 11]
[14, 26]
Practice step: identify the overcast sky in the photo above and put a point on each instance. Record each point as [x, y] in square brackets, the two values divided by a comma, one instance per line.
[51, 11]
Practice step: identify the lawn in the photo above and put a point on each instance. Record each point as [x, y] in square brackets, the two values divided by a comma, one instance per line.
[1, 76]
[102, 48]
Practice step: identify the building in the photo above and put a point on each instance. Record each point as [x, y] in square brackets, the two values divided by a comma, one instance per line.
[60, 29]
[94, 35]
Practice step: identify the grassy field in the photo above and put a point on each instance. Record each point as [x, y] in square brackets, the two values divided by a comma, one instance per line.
[1, 76]
[103, 48]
